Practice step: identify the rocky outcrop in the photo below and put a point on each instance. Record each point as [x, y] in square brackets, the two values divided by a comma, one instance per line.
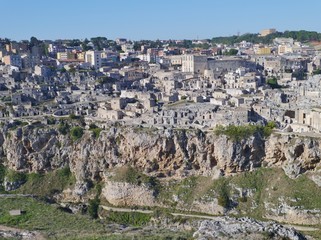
[295, 154]
[14, 233]
[126, 194]
[283, 212]
[243, 228]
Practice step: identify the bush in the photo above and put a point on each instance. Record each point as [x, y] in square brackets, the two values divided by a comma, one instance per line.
[223, 195]
[51, 121]
[93, 207]
[237, 133]
[317, 71]
[63, 128]
[273, 83]
[96, 132]
[47, 184]
[2, 176]
[267, 130]
[129, 218]
[17, 123]
[64, 172]
[92, 126]
[13, 176]
[72, 116]
[76, 133]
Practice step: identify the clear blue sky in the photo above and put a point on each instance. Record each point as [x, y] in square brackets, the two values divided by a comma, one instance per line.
[153, 19]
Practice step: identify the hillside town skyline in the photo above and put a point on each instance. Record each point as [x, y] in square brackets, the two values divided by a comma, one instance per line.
[252, 78]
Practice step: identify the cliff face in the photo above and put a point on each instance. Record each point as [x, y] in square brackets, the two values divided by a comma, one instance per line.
[164, 153]
[171, 154]
[295, 154]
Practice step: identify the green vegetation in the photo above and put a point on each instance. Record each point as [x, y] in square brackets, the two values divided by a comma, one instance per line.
[302, 36]
[2, 176]
[186, 190]
[13, 176]
[273, 83]
[76, 133]
[223, 193]
[129, 218]
[317, 71]
[95, 130]
[94, 203]
[72, 116]
[63, 128]
[45, 185]
[16, 124]
[265, 185]
[238, 133]
[133, 176]
[6, 99]
[231, 52]
[51, 121]
[93, 207]
[48, 219]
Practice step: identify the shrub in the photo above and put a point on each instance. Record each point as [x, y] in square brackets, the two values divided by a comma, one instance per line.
[129, 218]
[242, 132]
[96, 132]
[63, 128]
[267, 130]
[93, 207]
[223, 194]
[64, 172]
[13, 176]
[76, 133]
[17, 123]
[51, 121]
[72, 116]
[273, 83]
[236, 132]
[92, 126]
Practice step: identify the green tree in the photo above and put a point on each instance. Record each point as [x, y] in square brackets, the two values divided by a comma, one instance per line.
[231, 52]
[93, 207]
[76, 133]
[273, 83]
[63, 128]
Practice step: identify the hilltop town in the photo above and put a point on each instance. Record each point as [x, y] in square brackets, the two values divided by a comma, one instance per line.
[170, 83]
[125, 139]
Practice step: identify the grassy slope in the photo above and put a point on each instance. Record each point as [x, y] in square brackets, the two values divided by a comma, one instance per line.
[268, 185]
[47, 184]
[47, 218]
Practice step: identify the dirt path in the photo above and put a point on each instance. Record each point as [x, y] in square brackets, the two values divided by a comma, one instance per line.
[125, 210]
[296, 227]
[303, 228]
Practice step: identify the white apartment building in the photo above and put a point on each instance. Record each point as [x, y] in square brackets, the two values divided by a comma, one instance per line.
[94, 58]
[194, 64]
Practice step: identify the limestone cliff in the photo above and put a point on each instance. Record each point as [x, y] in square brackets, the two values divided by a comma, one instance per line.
[166, 154]
[157, 152]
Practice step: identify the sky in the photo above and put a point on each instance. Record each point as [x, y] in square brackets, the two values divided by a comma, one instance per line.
[153, 19]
